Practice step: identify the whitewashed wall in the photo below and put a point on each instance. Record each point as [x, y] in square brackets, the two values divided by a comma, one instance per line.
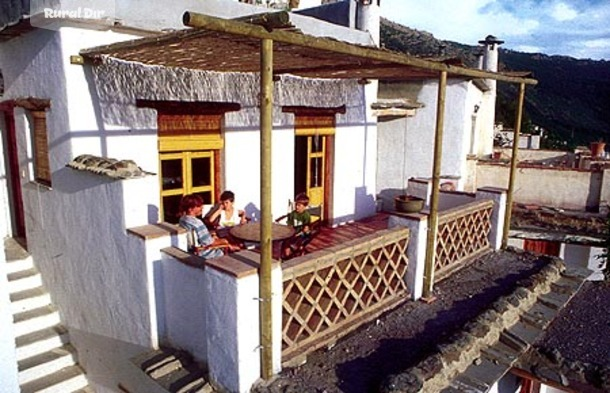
[567, 189]
[406, 146]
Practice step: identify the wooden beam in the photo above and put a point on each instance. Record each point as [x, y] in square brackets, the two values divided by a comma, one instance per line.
[197, 20]
[190, 107]
[269, 20]
[313, 111]
[33, 104]
[266, 116]
[436, 179]
[513, 166]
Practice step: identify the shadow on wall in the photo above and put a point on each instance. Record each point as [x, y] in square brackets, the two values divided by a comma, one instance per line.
[387, 197]
[364, 205]
[71, 181]
[252, 212]
[153, 214]
[595, 192]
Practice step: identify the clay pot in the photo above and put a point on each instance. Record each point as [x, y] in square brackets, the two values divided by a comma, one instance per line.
[597, 149]
[408, 204]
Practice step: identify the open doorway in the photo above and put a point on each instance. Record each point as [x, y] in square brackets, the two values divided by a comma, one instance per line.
[16, 226]
[310, 167]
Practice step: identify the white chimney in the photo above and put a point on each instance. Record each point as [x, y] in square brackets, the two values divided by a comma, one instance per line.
[368, 17]
[490, 54]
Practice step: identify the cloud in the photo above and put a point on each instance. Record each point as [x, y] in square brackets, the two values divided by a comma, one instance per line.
[563, 12]
[577, 28]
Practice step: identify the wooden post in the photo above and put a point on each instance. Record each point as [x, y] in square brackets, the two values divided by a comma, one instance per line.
[436, 179]
[266, 116]
[513, 166]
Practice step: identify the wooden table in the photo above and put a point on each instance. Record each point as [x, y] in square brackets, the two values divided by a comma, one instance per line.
[251, 232]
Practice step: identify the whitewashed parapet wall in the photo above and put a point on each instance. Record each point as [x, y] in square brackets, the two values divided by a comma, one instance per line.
[419, 226]
[211, 309]
[566, 188]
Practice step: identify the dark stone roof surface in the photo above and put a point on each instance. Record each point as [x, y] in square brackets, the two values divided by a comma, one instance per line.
[575, 349]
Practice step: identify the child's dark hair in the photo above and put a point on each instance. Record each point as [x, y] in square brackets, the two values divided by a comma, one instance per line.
[302, 198]
[190, 201]
[227, 196]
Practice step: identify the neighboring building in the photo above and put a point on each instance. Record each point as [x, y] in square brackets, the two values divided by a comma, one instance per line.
[503, 137]
[406, 141]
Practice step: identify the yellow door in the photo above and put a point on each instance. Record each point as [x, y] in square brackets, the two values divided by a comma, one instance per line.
[312, 172]
[316, 152]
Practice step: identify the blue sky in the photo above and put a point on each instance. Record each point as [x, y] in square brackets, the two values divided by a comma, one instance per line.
[577, 28]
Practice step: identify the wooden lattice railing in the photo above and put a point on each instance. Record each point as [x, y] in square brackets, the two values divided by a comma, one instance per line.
[330, 292]
[463, 233]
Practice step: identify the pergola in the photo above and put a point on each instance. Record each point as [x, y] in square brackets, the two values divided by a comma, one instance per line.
[268, 44]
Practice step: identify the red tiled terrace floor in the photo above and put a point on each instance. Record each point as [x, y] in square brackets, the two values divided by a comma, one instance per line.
[328, 237]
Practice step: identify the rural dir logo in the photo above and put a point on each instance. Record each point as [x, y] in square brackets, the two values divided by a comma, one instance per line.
[53, 14]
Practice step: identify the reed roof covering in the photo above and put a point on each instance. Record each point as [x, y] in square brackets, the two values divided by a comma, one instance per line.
[222, 45]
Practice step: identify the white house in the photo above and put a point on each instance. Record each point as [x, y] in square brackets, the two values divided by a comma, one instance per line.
[189, 131]
[74, 222]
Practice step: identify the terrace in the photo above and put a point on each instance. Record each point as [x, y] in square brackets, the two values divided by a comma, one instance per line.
[314, 299]
[352, 274]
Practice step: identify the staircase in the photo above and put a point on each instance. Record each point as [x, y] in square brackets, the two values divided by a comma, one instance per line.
[174, 370]
[46, 360]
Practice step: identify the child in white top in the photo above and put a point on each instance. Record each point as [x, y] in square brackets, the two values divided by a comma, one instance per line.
[226, 215]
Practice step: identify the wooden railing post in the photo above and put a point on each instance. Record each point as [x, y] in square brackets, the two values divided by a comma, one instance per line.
[266, 115]
[436, 176]
[513, 166]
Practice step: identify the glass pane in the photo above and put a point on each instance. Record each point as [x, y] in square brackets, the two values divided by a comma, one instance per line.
[171, 170]
[317, 144]
[171, 204]
[315, 174]
[202, 171]
[206, 196]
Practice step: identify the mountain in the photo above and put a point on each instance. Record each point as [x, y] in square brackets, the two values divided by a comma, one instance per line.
[571, 100]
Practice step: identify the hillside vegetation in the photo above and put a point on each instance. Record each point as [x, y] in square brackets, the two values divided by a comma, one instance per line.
[571, 101]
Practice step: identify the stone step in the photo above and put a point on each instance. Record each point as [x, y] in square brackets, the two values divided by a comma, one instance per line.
[19, 265]
[183, 380]
[29, 299]
[162, 361]
[23, 280]
[46, 363]
[36, 319]
[41, 341]
[174, 370]
[68, 379]
[86, 389]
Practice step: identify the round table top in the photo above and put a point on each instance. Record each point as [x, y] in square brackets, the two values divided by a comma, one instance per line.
[251, 231]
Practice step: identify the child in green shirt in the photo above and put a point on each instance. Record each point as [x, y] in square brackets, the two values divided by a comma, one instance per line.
[300, 220]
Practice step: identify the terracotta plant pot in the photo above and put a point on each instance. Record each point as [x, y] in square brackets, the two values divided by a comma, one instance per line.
[597, 149]
[408, 204]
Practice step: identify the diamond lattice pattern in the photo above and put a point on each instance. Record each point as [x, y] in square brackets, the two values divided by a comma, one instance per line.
[337, 287]
[462, 235]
